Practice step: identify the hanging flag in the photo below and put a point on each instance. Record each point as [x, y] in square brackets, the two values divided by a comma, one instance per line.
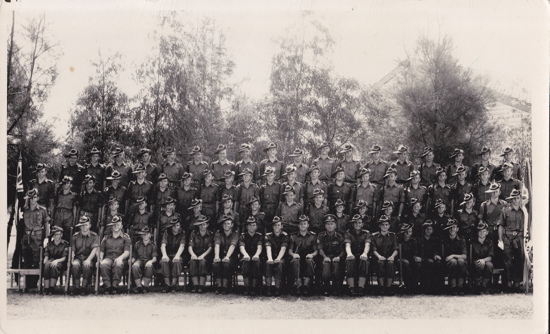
[527, 207]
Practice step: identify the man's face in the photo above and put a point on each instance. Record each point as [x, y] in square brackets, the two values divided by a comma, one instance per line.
[222, 155]
[209, 177]
[358, 225]
[85, 228]
[277, 227]
[119, 158]
[470, 204]
[429, 157]
[388, 211]
[34, 200]
[187, 181]
[67, 185]
[176, 227]
[459, 157]
[251, 228]
[57, 237]
[197, 157]
[416, 207]
[453, 231]
[408, 234]
[163, 183]
[495, 194]
[197, 209]
[303, 225]
[403, 156]
[255, 206]
[485, 176]
[140, 175]
[145, 157]
[117, 227]
[384, 227]
[318, 200]
[392, 177]
[416, 179]
[203, 227]
[41, 173]
[142, 205]
[349, 155]
[340, 176]
[115, 183]
[363, 210]
[114, 206]
[330, 226]
[508, 156]
[290, 197]
[441, 209]
[428, 231]
[90, 184]
[325, 150]
[516, 201]
[298, 159]
[272, 152]
[170, 207]
[227, 225]
[482, 233]
[291, 176]
[461, 176]
[171, 157]
[245, 154]
[315, 174]
[365, 177]
[485, 156]
[229, 180]
[507, 173]
[442, 177]
[340, 208]
[270, 177]
[72, 160]
[247, 177]
[375, 155]
[146, 237]
[228, 204]
[94, 158]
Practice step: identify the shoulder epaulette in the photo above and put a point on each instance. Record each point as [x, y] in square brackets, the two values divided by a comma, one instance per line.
[93, 233]
[312, 233]
[376, 233]
[284, 233]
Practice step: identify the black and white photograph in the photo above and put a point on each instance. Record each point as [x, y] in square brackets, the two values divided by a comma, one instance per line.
[270, 166]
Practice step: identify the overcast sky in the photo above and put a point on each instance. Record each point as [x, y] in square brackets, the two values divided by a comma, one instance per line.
[499, 38]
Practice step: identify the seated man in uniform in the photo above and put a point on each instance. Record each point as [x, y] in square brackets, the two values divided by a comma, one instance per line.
[410, 261]
[454, 251]
[171, 248]
[482, 255]
[317, 211]
[384, 248]
[143, 257]
[302, 248]
[330, 245]
[201, 243]
[85, 244]
[225, 256]
[55, 259]
[114, 251]
[66, 206]
[357, 244]
[429, 252]
[250, 247]
[276, 244]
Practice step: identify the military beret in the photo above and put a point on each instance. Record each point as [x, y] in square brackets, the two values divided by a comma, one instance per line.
[93, 151]
[401, 149]
[115, 175]
[72, 153]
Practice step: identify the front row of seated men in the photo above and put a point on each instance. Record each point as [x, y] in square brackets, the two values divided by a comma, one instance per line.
[299, 259]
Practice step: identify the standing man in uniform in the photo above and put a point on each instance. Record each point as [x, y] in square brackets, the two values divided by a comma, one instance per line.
[45, 187]
[271, 161]
[290, 173]
[171, 168]
[467, 218]
[428, 168]
[510, 240]
[66, 207]
[367, 192]
[185, 195]
[222, 165]
[91, 200]
[451, 169]
[377, 166]
[196, 167]
[270, 194]
[152, 171]
[172, 246]
[126, 171]
[479, 190]
[403, 167]
[325, 163]
[96, 169]
[393, 192]
[74, 170]
[507, 183]
[246, 162]
[208, 193]
[245, 192]
[440, 190]
[459, 189]
[317, 211]
[349, 165]
[298, 162]
[228, 189]
[138, 188]
[340, 190]
[415, 190]
[312, 185]
[507, 158]
[115, 190]
[289, 210]
[485, 162]
[85, 245]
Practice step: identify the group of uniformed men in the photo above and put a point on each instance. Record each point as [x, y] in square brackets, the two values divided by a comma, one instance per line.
[308, 227]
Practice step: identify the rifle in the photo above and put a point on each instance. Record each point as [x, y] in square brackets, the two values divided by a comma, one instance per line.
[98, 263]
[69, 261]
[130, 261]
